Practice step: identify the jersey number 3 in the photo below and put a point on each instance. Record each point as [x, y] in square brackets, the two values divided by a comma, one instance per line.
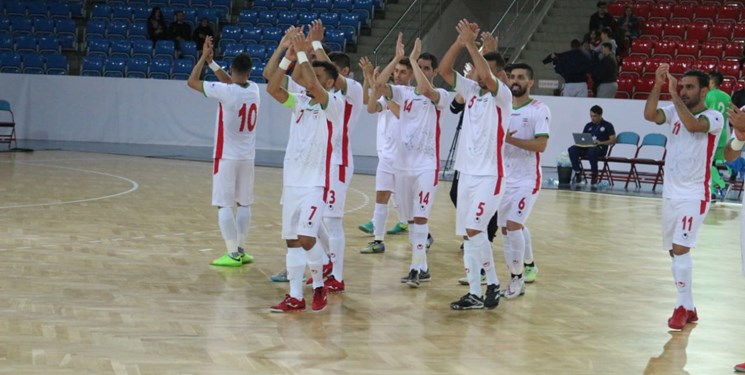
[248, 117]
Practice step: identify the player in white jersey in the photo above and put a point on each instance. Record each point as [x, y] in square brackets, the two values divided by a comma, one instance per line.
[306, 168]
[527, 138]
[692, 132]
[418, 159]
[235, 149]
[479, 160]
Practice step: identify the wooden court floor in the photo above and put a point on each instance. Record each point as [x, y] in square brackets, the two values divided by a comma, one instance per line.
[104, 270]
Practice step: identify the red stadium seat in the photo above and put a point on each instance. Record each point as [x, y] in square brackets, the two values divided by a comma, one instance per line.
[660, 12]
[616, 9]
[721, 31]
[733, 49]
[654, 62]
[653, 29]
[682, 12]
[729, 13]
[688, 48]
[641, 9]
[680, 65]
[634, 65]
[642, 47]
[625, 86]
[706, 64]
[643, 87]
[738, 31]
[739, 85]
[727, 85]
[706, 12]
[729, 69]
[665, 47]
[712, 48]
[675, 30]
[698, 31]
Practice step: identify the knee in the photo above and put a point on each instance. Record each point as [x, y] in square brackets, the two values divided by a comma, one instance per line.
[307, 242]
[420, 220]
[472, 232]
[512, 226]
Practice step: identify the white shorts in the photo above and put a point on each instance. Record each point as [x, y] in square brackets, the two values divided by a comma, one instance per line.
[302, 211]
[339, 180]
[416, 193]
[516, 206]
[478, 199]
[233, 182]
[681, 220]
[385, 175]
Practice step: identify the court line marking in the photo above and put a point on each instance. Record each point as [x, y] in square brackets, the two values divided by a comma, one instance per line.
[365, 200]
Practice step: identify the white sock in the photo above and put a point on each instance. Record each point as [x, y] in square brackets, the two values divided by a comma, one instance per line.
[227, 228]
[242, 223]
[472, 264]
[514, 251]
[324, 239]
[483, 246]
[528, 246]
[379, 216]
[337, 242]
[683, 276]
[394, 200]
[315, 263]
[418, 235]
[295, 263]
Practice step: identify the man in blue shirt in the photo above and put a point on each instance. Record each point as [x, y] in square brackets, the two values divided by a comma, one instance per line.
[603, 134]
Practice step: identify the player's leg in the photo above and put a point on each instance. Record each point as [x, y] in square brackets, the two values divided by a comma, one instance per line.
[336, 238]
[425, 184]
[244, 198]
[384, 186]
[296, 258]
[518, 206]
[531, 270]
[311, 214]
[223, 196]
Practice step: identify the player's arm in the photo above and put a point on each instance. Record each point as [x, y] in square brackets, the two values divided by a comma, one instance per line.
[194, 82]
[277, 81]
[422, 83]
[458, 104]
[448, 61]
[374, 106]
[394, 108]
[284, 44]
[368, 81]
[303, 67]
[693, 124]
[467, 33]
[651, 112]
[388, 70]
[489, 42]
[737, 120]
[537, 144]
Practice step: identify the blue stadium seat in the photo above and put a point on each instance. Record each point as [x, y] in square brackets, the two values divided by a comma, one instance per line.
[231, 33]
[350, 33]
[138, 3]
[306, 17]
[43, 26]
[257, 71]
[222, 7]
[92, 66]
[15, 9]
[140, 13]
[101, 12]
[37, 9]
[57, 64]
[95, 29]
[5, 25]
[323, 5]
[121, 48]
[252, 34]
[115, 67]
[121, 13]
[248, 17]
[180, 4]
[160, 68]
[305, 5]
[182, 69]
[137, 67]
[160, 3]
[33, 63]
[168, 13]
[189, 50]
[233, 49]
[142, 48]
[262, 4]
[98, 47]
[76, 8]
[190, 15]
[343, 5]
[137, 30]
[271, 34]
[365, 18]
[116, 2]
[164, 49]
[6, 43]
[25, 43]
[200, 3]
[10, 62]
[287, 18]
[59, 11]
[117, 30]
[282, 5]
[335, 39]
[210, 14]
[21, 26]
[267, 18]
[329, 19]
[350, 19]
[49, 44]
[256, 51]
[66, 31]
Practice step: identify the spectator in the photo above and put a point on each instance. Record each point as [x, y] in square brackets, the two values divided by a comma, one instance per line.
[605, 73]
[628, 24]
[180, 30]
[719, 101]
[156, 26]
[605, 37]
[574, 66]
[603, 134]
[602, 19]
[202, 31]
[593, 37]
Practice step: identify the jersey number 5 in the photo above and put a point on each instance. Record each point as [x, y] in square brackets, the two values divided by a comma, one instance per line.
[248, 118]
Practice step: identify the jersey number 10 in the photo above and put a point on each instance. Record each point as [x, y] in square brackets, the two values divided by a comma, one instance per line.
[248, 118]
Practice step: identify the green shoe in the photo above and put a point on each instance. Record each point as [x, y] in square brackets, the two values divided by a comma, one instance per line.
[399, 228]
[367, 227]
[531, 273]
[280, 277]
[375, 247]
[227, 261]
[245, 257]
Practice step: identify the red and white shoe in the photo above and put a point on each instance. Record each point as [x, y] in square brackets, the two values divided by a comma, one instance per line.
[740, 367]
[692, 316]
[679, 318]
[333, 285]
[289, 304]
[320, 298]
[327, 269]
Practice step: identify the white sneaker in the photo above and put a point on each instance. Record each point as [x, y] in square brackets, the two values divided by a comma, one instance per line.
[516, 288]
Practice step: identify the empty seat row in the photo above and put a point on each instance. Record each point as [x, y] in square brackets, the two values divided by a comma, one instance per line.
[163, 49]
[699, 30]
[61, 10]
[646, 66]
[683, 12]
[323, 5]
[33, 63]
[141, 13]
[295, 18]
[691, 48]
[336, 39]
[225, 4]
[37, 26]
[28, 43]
[115, 30]
[630, 86]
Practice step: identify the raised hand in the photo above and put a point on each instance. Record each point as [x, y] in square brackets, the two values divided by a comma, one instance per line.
[660, 75]
[291, 54]
[376, 73]
[416, 51]
[300, 43]
[467, 31]
[286, 41]
[400, 47]
[672, 84]
[207, 49]
[367, 67]
[316, 31]
[736, 118]
[489, 42]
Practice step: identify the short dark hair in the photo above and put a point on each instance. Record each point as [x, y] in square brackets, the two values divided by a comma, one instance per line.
[606, 31]
[524, 66]
[703, 78]
[328, 67]
[574, 44]
[738, 98]
[496, 58]
[178, 12]
[341, 60]
[600, 4]
[406, 62]
[428, 56]
[608, 45]
[242, 64]
[716, 77]
[596, 109]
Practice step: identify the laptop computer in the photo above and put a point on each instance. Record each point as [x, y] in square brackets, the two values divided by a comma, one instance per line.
[583, 140]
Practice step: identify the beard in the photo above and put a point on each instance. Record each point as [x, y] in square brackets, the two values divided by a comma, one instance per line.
[518, 91]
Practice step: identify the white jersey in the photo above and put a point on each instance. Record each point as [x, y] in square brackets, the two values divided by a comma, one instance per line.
[387, 134]
[419, 128]
[308, 156]
[689, 156]
[235, 138]
[293, 86]
[523, 167]
[353, 103]
[481, 145]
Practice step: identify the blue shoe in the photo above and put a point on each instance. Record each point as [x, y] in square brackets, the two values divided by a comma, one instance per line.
[399, 228]
[430, 240]
[280, 277]
[367, 227]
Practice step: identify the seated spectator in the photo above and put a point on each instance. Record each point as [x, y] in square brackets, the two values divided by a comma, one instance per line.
[593, 38]
[603, 135]
[602, 19]
[156, 26]
[179, 30]
[629, 24]
[605, 73]
[202, 31]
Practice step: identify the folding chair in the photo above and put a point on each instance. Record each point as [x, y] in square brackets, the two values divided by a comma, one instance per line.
[657, 142]
[622, 152]
[8, 134]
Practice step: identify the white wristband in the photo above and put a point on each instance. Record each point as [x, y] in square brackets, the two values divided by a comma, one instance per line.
[736, 144]
[213, 65]
[316, 44]
[285, 63]
[302, 57]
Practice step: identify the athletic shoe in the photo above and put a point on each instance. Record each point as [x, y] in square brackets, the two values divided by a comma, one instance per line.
[515, 288]
[227, 261]
[693, 316]
[468, 302]
[578, 178]
[464, 280]
[740, 367]
[424, 276]
[531, 273]
[333, 285]
[280, 277]
[430, 240]
[288, 304]
[412, 279]
[398, 228]
[320, 298]
[375, 247]
[679, 318]
[491, 298]
[367, 227]
[327, 269]
[245, 257]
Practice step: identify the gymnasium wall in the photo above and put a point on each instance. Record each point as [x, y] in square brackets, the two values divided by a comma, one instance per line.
[140, 111]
